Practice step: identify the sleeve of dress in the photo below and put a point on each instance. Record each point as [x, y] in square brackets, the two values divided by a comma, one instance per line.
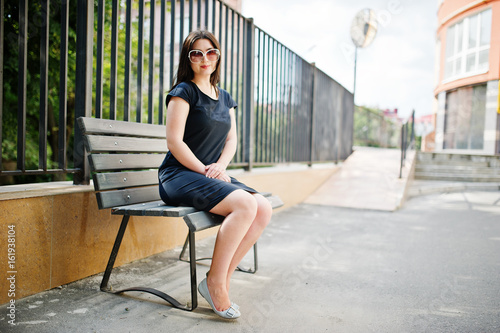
[230, 101]
[182, 90]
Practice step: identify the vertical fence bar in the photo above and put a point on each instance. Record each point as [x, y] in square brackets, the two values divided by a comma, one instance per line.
[140, 63]
[403, 143]
[263, 96]
[99, 58]
[162, 61]
[172, 41]
[114, 60]
[238, 90]
[63, 86]
[128, 55]
[44, 83]
[238, 53]
[83, 84]
[206, 14]
[270, 128]
[151, 60]
[269, 101]
[213, 17]
[277, 108]
[220, 22]
[249, 94]
[190, 15]
[282, 103]
[313, 113]
[181, 25]
[226, 52]
[198, 14]
[232, 54]
[257, 98]
[1, 74]
[21, 87]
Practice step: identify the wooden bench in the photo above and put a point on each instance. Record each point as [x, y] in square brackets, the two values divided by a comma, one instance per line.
[124, 158]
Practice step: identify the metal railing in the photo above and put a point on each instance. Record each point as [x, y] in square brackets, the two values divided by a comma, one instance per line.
[407, 139]
[117, 61]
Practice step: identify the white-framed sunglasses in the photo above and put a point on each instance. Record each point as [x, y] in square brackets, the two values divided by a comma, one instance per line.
[197, 55]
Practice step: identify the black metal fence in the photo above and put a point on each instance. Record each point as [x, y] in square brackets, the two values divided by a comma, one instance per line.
[116, 59]
[407, 139]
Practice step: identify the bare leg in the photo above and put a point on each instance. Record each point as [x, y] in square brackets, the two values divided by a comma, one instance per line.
[240, 210]
[264, 212]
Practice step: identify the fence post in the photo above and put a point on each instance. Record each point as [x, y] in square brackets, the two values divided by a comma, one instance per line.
[83, 84]
[412, 136]
[248, 96]
[313, 106]
[403, 149]
[1, 73]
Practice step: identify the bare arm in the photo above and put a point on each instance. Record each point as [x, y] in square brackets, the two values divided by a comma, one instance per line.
[177, 113]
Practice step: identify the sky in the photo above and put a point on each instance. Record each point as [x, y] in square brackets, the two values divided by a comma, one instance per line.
[395, 71]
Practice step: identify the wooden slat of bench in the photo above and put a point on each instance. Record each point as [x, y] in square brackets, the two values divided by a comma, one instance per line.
[107, 162]
[115, 127]
[118, 180]
[103, 143]
[155, 208]
[203, 220]
[276, 202]
[129, 196]
[159, 208]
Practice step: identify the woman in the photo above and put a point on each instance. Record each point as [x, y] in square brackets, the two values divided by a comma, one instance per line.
[201, 138]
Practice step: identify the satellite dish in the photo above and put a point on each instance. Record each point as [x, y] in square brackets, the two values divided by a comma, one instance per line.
[364, 28]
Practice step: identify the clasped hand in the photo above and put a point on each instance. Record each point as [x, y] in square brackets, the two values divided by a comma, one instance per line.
[217, 171]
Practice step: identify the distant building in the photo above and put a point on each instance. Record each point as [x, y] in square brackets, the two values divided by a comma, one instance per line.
[467, 76]
[392, 114]
[424, 125]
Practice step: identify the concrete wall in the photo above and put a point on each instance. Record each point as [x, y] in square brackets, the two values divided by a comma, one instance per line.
[61, 236]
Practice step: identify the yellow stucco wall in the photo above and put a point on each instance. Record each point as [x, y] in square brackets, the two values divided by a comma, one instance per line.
[61, 238]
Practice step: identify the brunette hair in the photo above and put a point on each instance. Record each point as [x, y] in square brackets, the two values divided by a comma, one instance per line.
[184, 71]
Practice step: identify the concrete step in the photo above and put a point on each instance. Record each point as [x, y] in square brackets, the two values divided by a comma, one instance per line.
[480, 164]
[439, 158]
[456, 169]
[459, 177]
[424, 187]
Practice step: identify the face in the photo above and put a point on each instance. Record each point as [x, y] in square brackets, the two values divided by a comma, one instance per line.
[205, 66]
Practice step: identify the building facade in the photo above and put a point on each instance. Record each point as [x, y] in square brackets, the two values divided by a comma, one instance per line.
[467, 102]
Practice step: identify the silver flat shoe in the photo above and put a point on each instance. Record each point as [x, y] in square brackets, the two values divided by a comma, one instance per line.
[229, 313]
[234, 305]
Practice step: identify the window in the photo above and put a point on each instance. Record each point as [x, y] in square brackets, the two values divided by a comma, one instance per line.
[464, 118]
[468, 46]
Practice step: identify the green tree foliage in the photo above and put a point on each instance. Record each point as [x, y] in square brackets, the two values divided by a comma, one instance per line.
[372, 129]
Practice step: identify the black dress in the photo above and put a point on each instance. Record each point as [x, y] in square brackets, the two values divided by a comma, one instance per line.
[207, 126]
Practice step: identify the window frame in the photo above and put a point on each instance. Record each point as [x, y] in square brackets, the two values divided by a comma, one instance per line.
[460, 56]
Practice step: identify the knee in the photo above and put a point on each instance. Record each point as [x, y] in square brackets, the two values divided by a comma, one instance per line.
[264, 212]
[246, 205]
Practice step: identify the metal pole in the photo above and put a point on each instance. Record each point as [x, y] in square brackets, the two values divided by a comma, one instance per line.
[248, 94]
[355, 65]
[313, 109]
[83, 83]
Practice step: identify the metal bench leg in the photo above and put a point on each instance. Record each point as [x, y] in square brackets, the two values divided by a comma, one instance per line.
[192, 269]
[255, 265]
[162, 295]
[250, 270]
[114, 253]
